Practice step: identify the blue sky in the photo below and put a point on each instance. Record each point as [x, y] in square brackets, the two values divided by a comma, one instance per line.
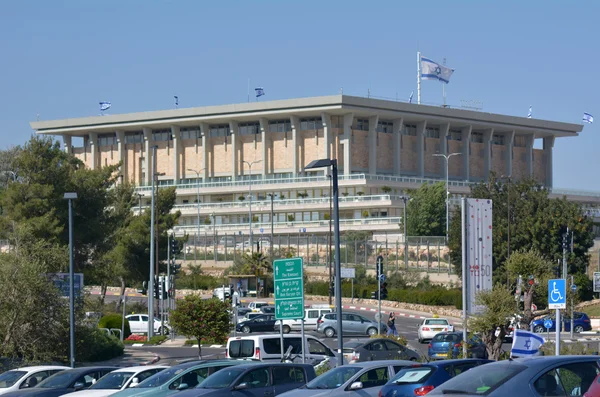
[60, 58]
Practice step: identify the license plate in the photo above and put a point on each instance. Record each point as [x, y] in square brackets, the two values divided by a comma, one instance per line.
[442, 354]
[436, 329]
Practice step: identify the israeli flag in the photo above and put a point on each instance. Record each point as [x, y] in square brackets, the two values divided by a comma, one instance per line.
[259, 91]
[176, 100]
[588, 118]
[104, 106]
[431, 70]
[526, 344]
[410, 97]
[530, 113]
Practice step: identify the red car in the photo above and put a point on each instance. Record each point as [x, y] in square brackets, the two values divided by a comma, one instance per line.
[594, 389]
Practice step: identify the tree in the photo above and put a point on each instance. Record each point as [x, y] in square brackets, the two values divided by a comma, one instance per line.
[202, 319]
[426, 211]
[497, 305]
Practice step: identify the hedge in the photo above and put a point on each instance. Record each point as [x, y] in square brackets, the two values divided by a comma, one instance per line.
[94, 344]
[114, 321]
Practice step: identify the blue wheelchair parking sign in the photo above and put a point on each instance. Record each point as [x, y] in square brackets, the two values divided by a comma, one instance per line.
[557, 293]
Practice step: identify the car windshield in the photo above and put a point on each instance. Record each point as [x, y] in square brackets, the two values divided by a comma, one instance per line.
[221, 379]
[160, 378]
[446, 338]
[352, 345]
[9, 378]
[483, 379]
[113, 381]
[412, 375]
[62, 379]
[333, 378]
[436, 322]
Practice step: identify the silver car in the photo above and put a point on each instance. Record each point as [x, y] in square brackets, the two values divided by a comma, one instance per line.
[361, 379]
[352, 324]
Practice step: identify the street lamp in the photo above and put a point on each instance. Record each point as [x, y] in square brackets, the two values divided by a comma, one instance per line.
[338, 285]
[250, 164]
[329, 235]
[152, 242]
[70, 197]
[508, 222]
[404, 200]
[198, 203]
[447, 158]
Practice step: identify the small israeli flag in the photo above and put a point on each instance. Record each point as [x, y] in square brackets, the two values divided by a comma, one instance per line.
[259, 91]
[431, 70]
[530, 112]
[526, 344]
[410, 97]
[588, 118]
[176, 100]
[104, 106]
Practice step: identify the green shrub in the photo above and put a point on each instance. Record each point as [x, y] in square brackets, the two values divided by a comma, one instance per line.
[114, 321]
[94, 344]
[158, 339]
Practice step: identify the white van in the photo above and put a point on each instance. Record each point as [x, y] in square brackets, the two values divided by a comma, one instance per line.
[228, 241]
[222, 293]
[311, 315]
[268, 347]
[255, 306]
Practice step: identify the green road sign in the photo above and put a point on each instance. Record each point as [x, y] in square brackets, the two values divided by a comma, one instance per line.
[289, 288]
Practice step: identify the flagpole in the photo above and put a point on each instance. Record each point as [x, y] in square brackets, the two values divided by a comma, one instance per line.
[248, 89]
[418, 77]
[444, 86]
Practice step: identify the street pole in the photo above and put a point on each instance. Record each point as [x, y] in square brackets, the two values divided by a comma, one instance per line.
[70, 197]
[572, 293]
[404, 200]
[447, 158]
[198, 211]
[272, 241]
[151, 281]
[250, 164]
[123, 317]
[330, 262]
[464, 272]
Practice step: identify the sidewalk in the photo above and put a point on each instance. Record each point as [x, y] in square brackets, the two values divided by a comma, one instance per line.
[131, 357]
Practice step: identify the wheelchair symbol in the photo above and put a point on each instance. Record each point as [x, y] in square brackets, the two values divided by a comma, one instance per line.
[555, 295]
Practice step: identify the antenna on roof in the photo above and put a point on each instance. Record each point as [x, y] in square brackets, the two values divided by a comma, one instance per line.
[471, 104]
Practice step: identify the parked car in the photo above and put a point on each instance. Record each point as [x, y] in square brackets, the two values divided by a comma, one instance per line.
[311, 316]
[526, 377]
[268, 348]
[352, 324]
[448, 344]
[176, 378]
[431, 326]
[256, 305]
[361, 379]
[138, 323]
[120, 379]
[242, 311]
[64, 382]
[420, 379]
[249, 316]
[260, 323]
[227, 241]
[254, 380]
[377, 349]
[581, 322]
[594, 389]
[27, 377]
[244, 245]
[268, 309]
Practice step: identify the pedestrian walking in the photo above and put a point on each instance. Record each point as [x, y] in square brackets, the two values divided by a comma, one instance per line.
[391, 324]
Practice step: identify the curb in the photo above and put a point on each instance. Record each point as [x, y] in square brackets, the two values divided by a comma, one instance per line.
[382, 311]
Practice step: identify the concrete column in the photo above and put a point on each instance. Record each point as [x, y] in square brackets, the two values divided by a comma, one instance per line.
[397, 139]
[529, 154]
[487, 152]
[347, 142]
[264, 127]
[466, 151]
[94, 149]
[233, 127]
[444, 136]
[175, 131]
[67, 145]
[508, 155]
[421, 148]
[122, 154]
[373, 120]
[204, 139]
[548, 146]
[295, 121]
[147, 159]
[327, 137]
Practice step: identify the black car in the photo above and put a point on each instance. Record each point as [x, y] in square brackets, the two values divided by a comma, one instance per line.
[262, 323]
[64, 382]
[241, 311]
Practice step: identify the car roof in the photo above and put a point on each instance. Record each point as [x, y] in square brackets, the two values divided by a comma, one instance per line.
[259, 364]
[140, 368]
[41, 368]
[447, 363]
[90, 369]
[371, 364]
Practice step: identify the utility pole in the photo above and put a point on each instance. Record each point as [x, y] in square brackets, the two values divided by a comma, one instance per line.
[151, 281]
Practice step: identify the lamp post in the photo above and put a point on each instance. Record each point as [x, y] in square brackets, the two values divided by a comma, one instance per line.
[272, 195]
[447, 158]
[151, 281]
[250, 164]
[198, 220]
[70, 197]
[139, 196]
[338, 285]
[404, 200]
[329, 235]
[508, 221]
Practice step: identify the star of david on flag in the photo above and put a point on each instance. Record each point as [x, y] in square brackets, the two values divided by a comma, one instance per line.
[526, 344]
[104, 106]
[431, 70]
[588, 118]
[530, 113]
[259, 92]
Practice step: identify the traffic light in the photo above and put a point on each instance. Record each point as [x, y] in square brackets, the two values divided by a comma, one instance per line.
[379, 266]
[175, 268]
[161, 287]
[156, 292]
[174, 246]
[171, 288]
[144, 289]
[384, 291]
[375, 295]
[332, 288]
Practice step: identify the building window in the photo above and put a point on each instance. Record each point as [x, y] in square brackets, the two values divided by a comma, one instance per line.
[219, 130]
[107, 140]
[520, 141]
[477, 137]
[190, 133]
[498, 139]
[361, 125]
[166, 182]
[190, 181]
[280, 126]
[220, 179]
[410, 129]
[134, 137]
[386, 127]
[432, 132]
[337, 121]
[313, 123]
[455, 135]
[161, 135]
[249, 128]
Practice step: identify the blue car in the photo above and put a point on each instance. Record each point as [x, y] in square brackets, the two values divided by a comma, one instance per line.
[445, 345]
[581, 322]
[420, 379]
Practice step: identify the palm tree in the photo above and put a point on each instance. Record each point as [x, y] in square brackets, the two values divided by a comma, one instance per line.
[195, 271]
[258, 265]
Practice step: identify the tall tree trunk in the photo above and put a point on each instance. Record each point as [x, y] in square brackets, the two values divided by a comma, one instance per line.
[103, 289]
[120, 301]
[527, 315]
[199, 348]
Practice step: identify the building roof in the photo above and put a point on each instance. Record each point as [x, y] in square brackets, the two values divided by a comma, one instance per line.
[303, 107]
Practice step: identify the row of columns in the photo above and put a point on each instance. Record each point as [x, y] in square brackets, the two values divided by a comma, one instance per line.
[346, 142]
